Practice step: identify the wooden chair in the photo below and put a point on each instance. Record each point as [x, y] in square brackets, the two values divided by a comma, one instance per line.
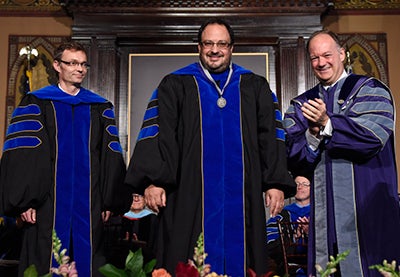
[294, 244]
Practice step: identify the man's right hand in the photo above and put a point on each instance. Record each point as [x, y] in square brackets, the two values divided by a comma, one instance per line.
[155, 197]
[315, 111]
[29, 216]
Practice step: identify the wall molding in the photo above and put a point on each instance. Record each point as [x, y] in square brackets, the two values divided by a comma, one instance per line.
[65, 7]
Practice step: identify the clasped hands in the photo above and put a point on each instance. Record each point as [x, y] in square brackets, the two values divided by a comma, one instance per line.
[315, 112]
[302, 228]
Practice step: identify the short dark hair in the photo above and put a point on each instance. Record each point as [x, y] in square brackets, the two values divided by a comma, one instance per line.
[333, 35]
[218, 21]
[69, 45]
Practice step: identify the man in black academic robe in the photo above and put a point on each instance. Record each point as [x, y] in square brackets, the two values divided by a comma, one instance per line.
[62, 168]
[212, 159]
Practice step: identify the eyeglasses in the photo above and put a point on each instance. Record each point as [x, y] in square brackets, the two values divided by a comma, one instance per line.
[76, 64]
[136, 196]
[304, 184]
[220, 44]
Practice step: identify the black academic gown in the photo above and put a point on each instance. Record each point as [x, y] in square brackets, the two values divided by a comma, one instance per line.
[214, 164]
[62, 157]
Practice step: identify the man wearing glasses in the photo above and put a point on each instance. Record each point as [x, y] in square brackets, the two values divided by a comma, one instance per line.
[209, 146]
[62, 167]
[298, 211]
[343, 130]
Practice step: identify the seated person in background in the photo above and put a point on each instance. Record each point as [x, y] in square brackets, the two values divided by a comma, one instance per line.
[132, 228]
[136, 229]
[299, 211]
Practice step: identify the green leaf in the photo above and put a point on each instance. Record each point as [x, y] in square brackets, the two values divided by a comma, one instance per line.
[31, 271]
[134, 261]
[148, 268]
[111, 271]
[137, 274]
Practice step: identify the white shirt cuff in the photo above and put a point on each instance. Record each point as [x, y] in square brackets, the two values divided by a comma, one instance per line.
[327, 130]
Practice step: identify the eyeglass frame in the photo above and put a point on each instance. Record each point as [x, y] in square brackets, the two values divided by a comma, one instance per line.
[75, 64]
[136, 196]
[304, 184]
[208, 44]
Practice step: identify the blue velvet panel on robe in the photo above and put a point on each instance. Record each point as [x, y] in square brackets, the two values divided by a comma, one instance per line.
[73, 184]
[223, 173]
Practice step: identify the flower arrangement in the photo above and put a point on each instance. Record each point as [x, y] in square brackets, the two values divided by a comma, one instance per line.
[65, 268]
[332, 264]
[196, 267]
[387, 270]
[134, 265]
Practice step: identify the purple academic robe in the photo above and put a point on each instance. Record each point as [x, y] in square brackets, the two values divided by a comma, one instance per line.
[355, 204]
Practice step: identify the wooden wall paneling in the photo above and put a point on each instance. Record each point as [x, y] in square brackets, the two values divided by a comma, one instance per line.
[108, 66]
[301, 57]
[104, 64]
[123, 99]
[289, 71]
[306, 75]
[103, 74]
[296, 69]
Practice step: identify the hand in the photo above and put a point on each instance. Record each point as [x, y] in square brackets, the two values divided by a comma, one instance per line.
[274, 199]
[315, 112]
[314, 129]
[29, 216]
[303, 228]
[155, 197]
[105, 216]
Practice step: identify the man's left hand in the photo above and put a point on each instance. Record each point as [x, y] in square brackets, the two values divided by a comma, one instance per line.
[105, 216]
[275, 200]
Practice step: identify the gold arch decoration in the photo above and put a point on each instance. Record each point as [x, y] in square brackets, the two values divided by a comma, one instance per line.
[41, 67]
[367, 54]
[366, 4]
[31, 6]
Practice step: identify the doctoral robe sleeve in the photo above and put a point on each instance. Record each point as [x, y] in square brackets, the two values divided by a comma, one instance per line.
[26, 163]
[155, 157]
[271, 140]
[115, 194]
[364, 129]
[300, 156]
[359, 132]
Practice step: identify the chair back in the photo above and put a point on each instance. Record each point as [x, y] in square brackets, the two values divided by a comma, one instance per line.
[294, 242]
